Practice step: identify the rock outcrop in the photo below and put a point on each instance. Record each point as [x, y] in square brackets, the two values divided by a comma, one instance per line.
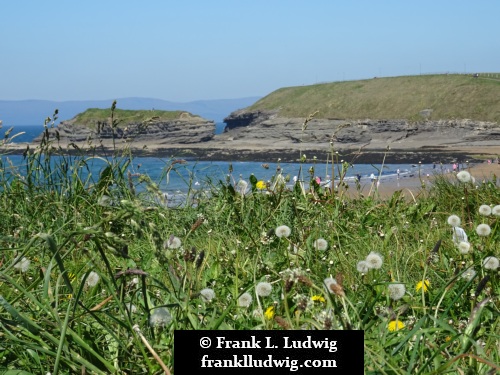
[266, 127]
[187, 129]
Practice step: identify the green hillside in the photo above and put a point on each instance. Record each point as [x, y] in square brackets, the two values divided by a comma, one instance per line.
[124, 116]
[449, 96]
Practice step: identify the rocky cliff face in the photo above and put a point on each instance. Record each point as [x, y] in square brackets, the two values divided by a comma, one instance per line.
[266, 127]
[185, 130]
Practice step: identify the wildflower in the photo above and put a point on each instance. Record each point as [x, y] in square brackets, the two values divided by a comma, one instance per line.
[245, 300]
[318, 298]
[260, 185]
[283, 231]
[320, 244]
[468, 274]
[453, 220]
[483, 230]
[374, 260]
[463, 176]
[424, 285]
[395, 325]
[263, 289]
[269, 313]
[396, 291]
[241, 187]
[496, 210]
[464, 247]
[484, 210]
[362, 266]
[23, 265]
[329, 283]
[92, 279]
[491, 263]
[172, 243]
[160, 317]
[459, 235]
[207, 294]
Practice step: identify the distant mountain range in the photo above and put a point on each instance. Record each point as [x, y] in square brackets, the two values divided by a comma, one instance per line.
[34, 112]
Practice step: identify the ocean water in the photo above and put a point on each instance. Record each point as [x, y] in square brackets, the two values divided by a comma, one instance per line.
[195, 175]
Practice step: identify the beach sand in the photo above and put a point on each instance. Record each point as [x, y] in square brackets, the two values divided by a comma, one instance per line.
[413, 187]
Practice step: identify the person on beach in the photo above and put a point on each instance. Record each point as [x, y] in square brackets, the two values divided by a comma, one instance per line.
[454, 167]
[398, 173]
[372, 177]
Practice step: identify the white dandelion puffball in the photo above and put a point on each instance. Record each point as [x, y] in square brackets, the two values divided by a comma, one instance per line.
[245, 300]
[463, 247]
[454, 220]
[483, 230]
[320, 244]
[459, 235]
[468, 274]
[463, 176]
[362, 266]
[207, 294]
[23, 265]
[496, 210]
[241, 187]
[283, 231]
[160, 317]
[491, 263]
[172, 243]
[485, 210]
[92, 279]
[396, 291]
[329, 281]
[263, 289]
[374, 260]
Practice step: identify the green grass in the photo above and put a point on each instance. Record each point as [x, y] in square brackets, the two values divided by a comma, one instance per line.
[88, 262]
[124, 116]
[449, 96]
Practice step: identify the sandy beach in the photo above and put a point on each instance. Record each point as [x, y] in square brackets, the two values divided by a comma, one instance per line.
[413, 187]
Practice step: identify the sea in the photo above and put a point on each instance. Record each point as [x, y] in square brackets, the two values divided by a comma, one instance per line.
[177, 179]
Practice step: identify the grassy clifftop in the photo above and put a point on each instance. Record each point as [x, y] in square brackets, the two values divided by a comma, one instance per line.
[93, 115]
[448, 96]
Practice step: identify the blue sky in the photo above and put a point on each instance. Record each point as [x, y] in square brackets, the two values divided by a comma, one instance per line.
[221, 49]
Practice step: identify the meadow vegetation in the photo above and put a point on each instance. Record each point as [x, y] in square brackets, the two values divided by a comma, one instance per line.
[449, 96]
[97, 270]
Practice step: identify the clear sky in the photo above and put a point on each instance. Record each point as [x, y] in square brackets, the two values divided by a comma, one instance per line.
[184, 50]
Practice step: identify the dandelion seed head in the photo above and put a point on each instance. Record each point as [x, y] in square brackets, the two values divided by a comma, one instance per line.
[283, 231]
[374, 260]
[464, 247]
[468, 274]
[496, 210]
[454, 220]
[207, 294]
[362, 266]
[92, 279]
[483, 230]
[263, 289]
[463, 176]
[241, 187]
[484, 210]
[459, 235]
[172, 243]
[329, 282]
[160, 317]
[396, 291]
[23, 265]
[491, 263]
[320, 244]
[245, 300]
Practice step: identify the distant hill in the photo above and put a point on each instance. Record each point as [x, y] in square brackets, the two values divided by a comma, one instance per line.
[34, 112]
[433, 97]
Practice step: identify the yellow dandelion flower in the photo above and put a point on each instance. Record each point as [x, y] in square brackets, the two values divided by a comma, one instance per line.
[71, 276]
[395, 325]
[269, 312]
[318, 298]
[423, 284]
[260, 185]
